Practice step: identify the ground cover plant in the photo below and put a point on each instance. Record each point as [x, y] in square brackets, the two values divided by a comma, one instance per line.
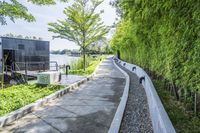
[91, 64]
[183, 121]
[17, 96]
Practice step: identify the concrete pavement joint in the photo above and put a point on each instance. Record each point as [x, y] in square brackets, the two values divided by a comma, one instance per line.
[92, 105]
[47, 123]
[81, 116]
[87, 99]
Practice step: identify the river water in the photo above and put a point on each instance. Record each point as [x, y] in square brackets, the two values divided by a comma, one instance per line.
[63, 59]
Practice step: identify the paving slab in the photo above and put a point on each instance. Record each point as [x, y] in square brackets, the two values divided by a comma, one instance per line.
[90, 109]
[70, 79]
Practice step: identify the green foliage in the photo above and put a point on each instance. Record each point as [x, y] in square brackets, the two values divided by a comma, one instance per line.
[162, 36]
[184, 122]
[15, 10]
[45, 2]
[17, 96]
[91, 64]
[82, 24]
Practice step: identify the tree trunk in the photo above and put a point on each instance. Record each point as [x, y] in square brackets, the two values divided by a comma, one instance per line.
[84, 59]
[195, 103]
[118, 54]
[174, 88]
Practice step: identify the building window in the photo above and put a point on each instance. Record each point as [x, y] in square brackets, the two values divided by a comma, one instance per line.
[40, 46]
[21, 46]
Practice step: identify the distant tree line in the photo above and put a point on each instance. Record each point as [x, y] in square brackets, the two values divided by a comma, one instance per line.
[94, 50]
[64, 51]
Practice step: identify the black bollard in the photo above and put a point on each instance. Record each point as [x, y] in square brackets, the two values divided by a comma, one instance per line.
[142, 78]
[134, 68]
[67, 69]
[60, 76]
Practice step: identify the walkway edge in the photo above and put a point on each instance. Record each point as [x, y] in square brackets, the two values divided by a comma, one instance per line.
[12, 116]
[116, 123]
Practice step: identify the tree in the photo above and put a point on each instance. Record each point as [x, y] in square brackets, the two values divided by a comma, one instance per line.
[15, 10]
[82, 25]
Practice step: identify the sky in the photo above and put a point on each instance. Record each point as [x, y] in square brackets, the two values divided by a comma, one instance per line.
[46, 14]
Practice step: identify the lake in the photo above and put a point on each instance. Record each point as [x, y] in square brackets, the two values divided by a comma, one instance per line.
[63, 59]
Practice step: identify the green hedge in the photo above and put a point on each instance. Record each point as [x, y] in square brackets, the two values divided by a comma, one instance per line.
[163, 37]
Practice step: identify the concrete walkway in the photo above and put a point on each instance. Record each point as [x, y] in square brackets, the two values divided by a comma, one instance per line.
[88, 110]
[70, 79]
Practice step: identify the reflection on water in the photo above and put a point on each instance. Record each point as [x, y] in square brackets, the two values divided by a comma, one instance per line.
[63, 59]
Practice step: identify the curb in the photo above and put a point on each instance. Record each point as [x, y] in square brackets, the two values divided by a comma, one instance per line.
[160, 120]
[12, 116]
[116, 123]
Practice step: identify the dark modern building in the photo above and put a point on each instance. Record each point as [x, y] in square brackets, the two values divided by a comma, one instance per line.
[21, 51]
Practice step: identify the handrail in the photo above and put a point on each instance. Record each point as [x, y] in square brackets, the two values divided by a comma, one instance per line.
[15, 65]
[15, 69]
[39, 63]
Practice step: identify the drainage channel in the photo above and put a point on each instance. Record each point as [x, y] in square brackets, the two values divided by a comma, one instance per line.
[136, 116]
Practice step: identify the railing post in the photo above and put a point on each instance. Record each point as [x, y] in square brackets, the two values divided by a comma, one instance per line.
[25, 71]
[44, 67]
[56, 66]
[6, 69]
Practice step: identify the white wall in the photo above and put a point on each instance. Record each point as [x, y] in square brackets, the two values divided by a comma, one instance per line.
[1, 55]
[160, 120]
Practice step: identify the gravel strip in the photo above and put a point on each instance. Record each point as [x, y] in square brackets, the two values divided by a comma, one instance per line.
[136, 116]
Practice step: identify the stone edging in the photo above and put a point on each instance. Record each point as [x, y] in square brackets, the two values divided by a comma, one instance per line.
[12, 116]
[160, 119]
[116, 123]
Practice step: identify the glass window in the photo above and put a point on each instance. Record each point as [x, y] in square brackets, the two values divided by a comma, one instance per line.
[21, 46]
[40, 46]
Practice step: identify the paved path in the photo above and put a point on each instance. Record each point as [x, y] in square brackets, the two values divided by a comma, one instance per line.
[70, 79]
[87, 110]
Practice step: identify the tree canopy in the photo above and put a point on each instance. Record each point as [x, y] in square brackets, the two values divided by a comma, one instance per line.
[13, 9]
[82, 24]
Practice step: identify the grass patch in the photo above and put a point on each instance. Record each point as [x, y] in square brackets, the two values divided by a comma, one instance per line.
[91, 63]
[17, 96]
[183, 121]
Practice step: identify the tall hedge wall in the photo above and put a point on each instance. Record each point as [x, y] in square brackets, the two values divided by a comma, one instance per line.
[163, 36]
